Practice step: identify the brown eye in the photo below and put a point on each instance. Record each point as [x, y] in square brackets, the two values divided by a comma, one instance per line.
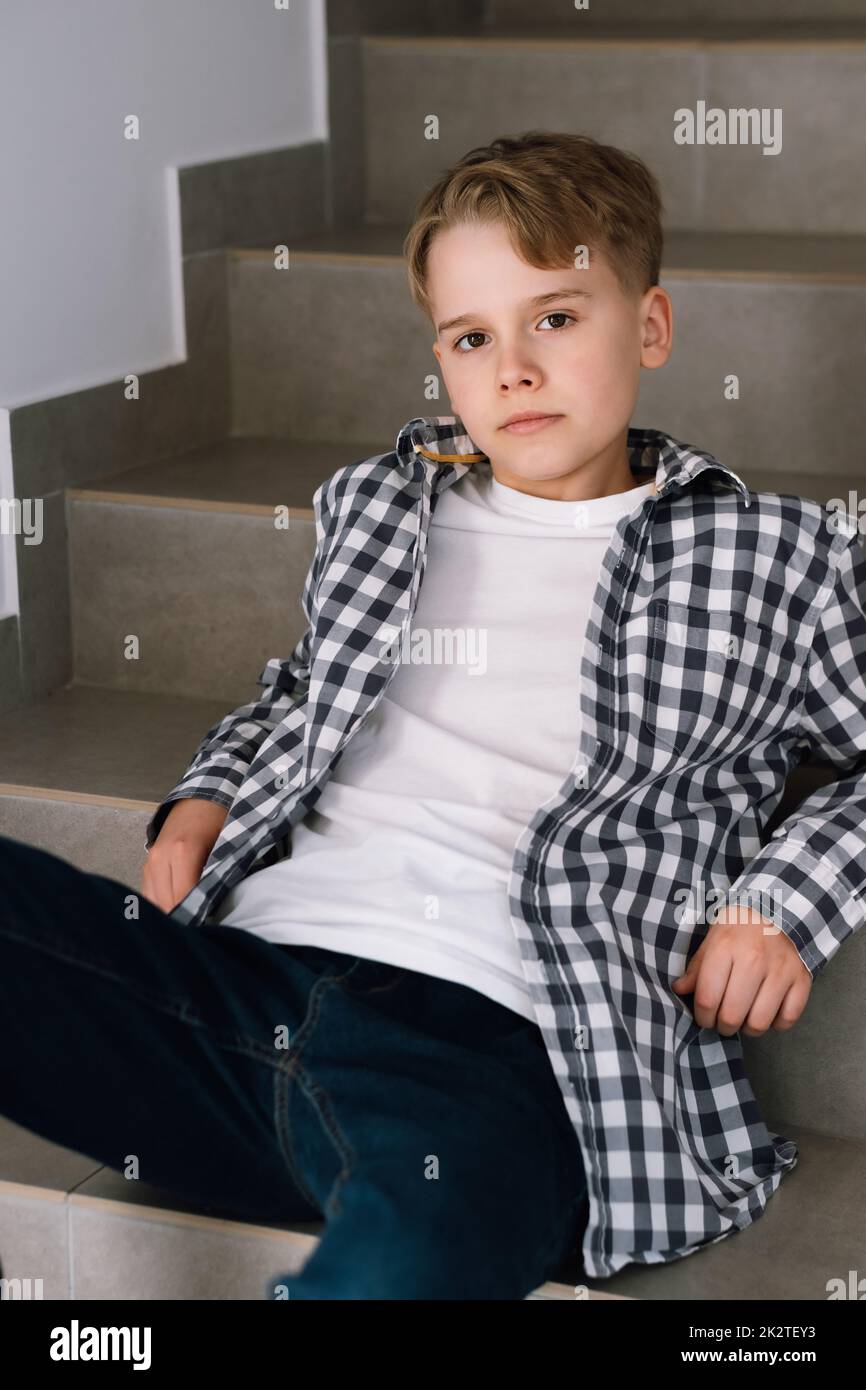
[476, 333]
[559, 314]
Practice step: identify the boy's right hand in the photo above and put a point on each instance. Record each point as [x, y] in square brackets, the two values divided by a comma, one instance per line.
[177, 855]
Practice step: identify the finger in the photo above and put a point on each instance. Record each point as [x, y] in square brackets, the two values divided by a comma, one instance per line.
[685, 982]
[711, 985]
[746, 979]
[765, 1005]
[793, 1004]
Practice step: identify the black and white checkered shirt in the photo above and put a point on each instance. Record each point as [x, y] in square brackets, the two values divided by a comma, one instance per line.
[726, 637]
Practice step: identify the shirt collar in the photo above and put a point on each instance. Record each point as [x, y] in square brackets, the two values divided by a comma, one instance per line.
[445, 444]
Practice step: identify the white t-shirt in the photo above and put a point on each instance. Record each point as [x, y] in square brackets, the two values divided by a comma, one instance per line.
[407, 854]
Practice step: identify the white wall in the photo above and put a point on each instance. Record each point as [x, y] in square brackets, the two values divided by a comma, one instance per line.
[88, 252]
[8, 571]
[90, 284]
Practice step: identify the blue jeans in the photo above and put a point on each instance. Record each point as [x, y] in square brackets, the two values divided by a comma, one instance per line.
[418, 1118]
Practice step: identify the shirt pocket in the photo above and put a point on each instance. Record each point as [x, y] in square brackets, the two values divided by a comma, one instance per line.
[703, 680]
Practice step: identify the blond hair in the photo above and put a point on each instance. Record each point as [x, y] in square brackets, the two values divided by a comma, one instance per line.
[552, 192]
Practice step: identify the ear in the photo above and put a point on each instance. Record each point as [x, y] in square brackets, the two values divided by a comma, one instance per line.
[657, 329]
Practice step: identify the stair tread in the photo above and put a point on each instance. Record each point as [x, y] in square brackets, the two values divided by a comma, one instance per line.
[108, 1185]
[89, 741]
[262, 472]
[590, 27]
[771, 254]
[813, 1228]
[255, 471]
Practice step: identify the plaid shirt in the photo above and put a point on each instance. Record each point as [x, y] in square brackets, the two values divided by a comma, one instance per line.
[726, 637]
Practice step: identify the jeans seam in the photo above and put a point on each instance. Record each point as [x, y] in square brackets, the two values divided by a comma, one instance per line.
[242, 1042]
[321, 1101]
[371, 989]
[290, 1066]
[282, 1081]
[175, 1005]
[377, 989]
[180, 1008]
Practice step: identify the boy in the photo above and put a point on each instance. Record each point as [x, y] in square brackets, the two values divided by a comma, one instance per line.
[455, 1019]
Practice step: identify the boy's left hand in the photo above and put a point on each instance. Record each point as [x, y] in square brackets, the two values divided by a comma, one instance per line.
[746, 979]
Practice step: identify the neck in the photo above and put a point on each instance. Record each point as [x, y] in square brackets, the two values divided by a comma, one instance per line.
[604, 475]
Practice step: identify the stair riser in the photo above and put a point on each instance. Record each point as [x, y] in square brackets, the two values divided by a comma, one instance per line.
[626, 95]
[687, 12]
[325, 351]
[98, 839]
[210, 595]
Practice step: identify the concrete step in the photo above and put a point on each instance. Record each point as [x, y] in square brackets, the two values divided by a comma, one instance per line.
[776, 311]
[152, 541]
[775, 19]
[10, 680]
[625, 90]
[88, 1233]
[827, 259]
[147, 556]
[85, 769]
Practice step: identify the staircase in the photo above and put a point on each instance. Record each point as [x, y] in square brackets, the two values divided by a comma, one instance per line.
[291, 375]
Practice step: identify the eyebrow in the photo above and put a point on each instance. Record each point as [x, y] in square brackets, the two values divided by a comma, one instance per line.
[568, 292]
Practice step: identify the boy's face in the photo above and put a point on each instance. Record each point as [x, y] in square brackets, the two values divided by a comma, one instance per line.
[577, 358]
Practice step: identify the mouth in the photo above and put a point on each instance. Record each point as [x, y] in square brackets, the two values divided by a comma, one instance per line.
[530, 425]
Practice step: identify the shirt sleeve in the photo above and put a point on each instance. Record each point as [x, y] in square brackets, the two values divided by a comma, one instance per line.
[220, 763]
[813, 868]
